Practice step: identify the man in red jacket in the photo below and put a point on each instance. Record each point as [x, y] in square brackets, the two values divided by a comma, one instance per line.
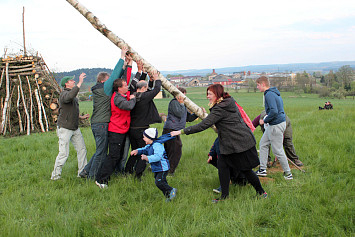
[121, 106]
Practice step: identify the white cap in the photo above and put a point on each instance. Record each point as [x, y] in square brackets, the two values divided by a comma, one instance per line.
[151, 133]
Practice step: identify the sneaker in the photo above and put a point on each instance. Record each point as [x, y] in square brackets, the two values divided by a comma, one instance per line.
[263, 196]
[55, 178]
[298, 162]
[288, 177]
[101, 186]
[218, 190]
[83, 174]
[172, 195]
[261, 172]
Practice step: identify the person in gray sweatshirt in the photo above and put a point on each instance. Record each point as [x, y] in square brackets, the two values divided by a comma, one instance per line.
[175, 121]
[275, 125]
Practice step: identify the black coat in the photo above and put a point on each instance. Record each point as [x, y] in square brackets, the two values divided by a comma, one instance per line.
[145, 112]
[234, 134]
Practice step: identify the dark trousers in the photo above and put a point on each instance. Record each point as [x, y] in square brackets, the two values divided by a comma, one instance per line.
[173, 150]
[289, 148]
[135, 163]
[225, 162]
[115, 146]
[99, 130]
[162, 183]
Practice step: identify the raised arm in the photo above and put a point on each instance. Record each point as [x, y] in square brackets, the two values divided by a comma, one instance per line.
[115, 74]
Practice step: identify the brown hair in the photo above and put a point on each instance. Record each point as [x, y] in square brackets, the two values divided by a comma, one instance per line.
[263, 79]
[218, 90]
[118, 83]
[182, 89]
[101, 76]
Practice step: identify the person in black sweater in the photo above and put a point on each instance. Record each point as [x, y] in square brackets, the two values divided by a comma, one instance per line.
[143, 114]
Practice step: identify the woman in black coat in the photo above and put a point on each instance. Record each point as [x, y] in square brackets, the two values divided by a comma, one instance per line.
[237, 142]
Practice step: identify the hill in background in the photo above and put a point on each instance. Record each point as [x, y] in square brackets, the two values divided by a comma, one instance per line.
[323, 67]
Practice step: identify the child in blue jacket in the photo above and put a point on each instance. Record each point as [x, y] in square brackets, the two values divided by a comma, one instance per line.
[155, 154]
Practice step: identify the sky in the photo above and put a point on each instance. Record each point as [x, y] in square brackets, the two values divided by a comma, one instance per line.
[184, 34]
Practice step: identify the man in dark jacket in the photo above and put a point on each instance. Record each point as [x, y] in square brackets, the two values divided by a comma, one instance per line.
[143, 114]
[275, 125]
[68, 126]
[100, 118]
[175, 121]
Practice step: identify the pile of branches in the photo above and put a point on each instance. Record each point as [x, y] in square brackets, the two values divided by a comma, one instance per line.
[28, 96]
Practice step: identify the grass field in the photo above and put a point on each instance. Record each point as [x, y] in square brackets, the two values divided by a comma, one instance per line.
[319, 202]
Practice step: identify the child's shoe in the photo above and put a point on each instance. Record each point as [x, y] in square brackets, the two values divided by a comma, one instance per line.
[172, 195]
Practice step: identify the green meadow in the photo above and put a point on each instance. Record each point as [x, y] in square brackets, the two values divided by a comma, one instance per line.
[319, 202]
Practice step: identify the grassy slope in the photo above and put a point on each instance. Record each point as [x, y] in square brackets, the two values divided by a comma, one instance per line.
[319, 202]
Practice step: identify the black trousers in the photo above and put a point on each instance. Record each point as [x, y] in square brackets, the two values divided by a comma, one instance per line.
[162, 183]
[173, 150]
[135, 163]
[115, 146]
[225, 162]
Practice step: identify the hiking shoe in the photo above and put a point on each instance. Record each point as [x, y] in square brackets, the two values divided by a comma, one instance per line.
[218, 190]
[261, 172]
[288, 177]
[83, 174]
[298, 162]
[172, 195]
[101, 186]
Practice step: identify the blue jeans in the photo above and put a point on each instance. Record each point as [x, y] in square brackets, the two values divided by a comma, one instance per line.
[100, 132]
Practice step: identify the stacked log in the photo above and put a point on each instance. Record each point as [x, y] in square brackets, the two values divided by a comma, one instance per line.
[28, 96]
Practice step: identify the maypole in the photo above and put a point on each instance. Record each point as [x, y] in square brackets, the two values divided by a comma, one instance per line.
[135, 56]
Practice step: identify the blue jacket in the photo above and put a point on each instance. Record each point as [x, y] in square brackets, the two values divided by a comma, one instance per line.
[156, 153]
[274, 107]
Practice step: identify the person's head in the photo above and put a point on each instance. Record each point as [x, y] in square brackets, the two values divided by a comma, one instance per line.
[215, 92]
[102, 77]
[142, 86]
[150, 135]
[183, 90]
[120, 86]
[263, 83]
[67, 82]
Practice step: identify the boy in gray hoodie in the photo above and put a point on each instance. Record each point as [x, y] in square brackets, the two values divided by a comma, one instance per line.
[275, 125]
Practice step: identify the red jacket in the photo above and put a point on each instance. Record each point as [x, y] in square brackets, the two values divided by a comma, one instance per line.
[120, 119]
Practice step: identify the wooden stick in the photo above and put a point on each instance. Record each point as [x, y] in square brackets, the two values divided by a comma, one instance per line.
[2, 75]
[31, 103]
[295, 165]
[8, 117]
[18, 109]
[25, 107]
[4, 112]
[44, 111]
[39, 110]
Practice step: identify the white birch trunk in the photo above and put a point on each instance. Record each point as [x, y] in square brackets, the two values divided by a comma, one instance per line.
[3, 121]
[2, 75]
[18, 109]
[31, 103]
[42, 107]
[39, 110]
[25, 106]
[136, 57]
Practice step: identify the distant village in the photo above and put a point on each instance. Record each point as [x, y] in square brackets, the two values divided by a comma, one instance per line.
[236, 80]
